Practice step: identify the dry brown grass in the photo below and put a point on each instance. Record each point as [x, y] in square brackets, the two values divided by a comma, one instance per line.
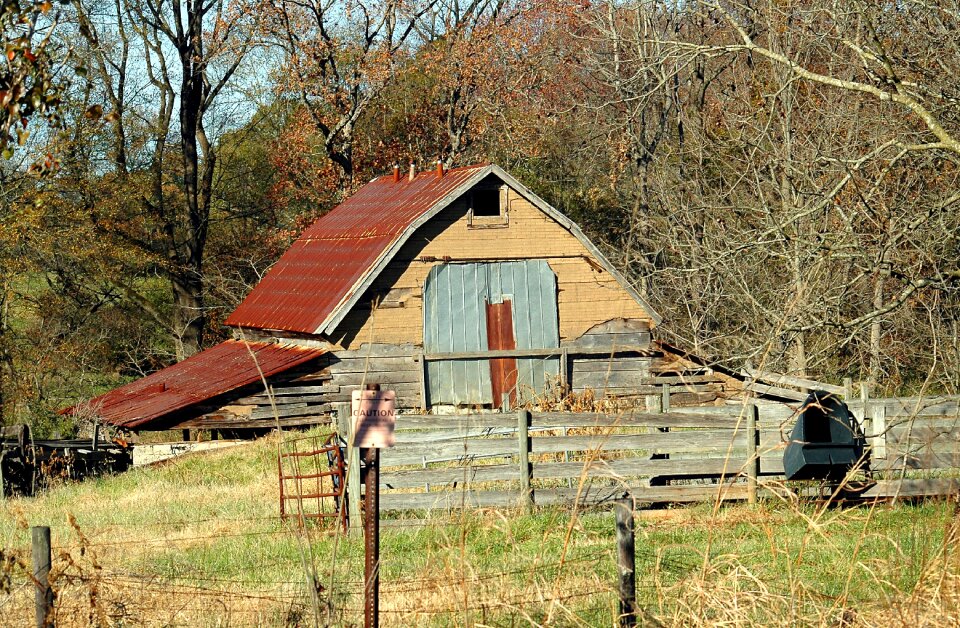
[198, 543]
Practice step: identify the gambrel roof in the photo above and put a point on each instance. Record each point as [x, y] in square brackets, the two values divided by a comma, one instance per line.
[325, 272]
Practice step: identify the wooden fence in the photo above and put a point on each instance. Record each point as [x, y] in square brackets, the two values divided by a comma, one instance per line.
[524, 458]
[695, 454]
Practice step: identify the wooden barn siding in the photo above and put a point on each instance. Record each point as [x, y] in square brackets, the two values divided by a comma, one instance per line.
[309, 398]
[588, 295]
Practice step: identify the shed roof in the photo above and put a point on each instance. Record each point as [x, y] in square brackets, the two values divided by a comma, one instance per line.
[220, 369]
[324, 273]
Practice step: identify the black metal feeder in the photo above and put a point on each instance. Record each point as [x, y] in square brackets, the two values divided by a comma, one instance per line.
[825, 443]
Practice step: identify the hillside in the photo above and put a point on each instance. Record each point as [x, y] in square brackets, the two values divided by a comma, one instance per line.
[197, 542]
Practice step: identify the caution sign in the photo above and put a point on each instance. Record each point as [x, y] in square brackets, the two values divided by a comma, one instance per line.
[374, 418]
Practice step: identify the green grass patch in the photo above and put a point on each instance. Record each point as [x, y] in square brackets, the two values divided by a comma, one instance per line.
[197, 539]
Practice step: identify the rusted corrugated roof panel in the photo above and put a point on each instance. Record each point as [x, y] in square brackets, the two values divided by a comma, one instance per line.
[220, 369]
[324, 266]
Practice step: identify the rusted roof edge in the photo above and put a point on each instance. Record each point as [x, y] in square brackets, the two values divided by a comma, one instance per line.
[350, 299]
[356, 291]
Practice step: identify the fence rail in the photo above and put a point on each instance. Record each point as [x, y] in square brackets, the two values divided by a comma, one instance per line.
[693, 454]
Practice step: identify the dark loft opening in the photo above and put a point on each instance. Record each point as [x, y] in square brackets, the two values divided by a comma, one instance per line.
[486, 203]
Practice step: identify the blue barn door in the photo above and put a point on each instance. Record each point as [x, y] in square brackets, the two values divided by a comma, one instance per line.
[456, 299]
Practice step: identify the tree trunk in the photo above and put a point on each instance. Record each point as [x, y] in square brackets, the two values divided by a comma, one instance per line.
[189, 318]
[874, 373]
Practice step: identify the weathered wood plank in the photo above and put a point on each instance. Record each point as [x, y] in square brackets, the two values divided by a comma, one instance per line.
[454, 422]
[591, 495]
[778, 379]
[705, 441]
[282, 400]
[927, 422]
[405, 438]
[910, 407]
[933, 487]
[557, 420]
[380, 350]
[609, 341]
[215, 423]
[718, 417]
[451, 450]
[456, 476]
[917, 458]
[603, 365]
[946, 435]
[598, 494]
[363, 364]
[785, 393]
[701, 441]
[603, 379]
[281, 389]
[682, 380]
[384, 378]
[634, 467]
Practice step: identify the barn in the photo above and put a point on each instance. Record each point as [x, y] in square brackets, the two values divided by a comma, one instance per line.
[458, 289]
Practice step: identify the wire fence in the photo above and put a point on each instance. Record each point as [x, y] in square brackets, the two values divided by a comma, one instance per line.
[89, 565]
[183, 579]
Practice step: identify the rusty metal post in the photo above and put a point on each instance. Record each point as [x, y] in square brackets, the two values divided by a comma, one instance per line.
[371, 536]
[371, 541]
[43, 600]
[626, 561]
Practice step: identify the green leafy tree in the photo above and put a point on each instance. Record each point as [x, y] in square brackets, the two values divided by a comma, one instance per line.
[32, 73]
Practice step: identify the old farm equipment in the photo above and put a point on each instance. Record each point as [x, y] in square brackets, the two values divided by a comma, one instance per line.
[312, 473]
[27, 465]
[826, 442]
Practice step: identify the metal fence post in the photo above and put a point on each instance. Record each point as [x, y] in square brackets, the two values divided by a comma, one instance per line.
[523, 443]
[41, 573]
[626, 561]
[371, 540]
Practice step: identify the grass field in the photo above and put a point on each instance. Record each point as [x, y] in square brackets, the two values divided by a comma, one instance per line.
[198, 542]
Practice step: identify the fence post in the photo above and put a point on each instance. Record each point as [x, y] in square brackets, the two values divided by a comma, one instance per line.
[867, 424]
[878, 417]
[847, 389]
[523, 443]
[345, 426]
[626, 561]
[753, 452]
[371, 541]
[665, 398]
[564, 372]
[41, 573]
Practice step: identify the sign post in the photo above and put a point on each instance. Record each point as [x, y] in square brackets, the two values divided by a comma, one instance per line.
[374, 419]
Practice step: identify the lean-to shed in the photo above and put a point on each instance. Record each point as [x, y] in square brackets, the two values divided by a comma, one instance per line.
[456, 289]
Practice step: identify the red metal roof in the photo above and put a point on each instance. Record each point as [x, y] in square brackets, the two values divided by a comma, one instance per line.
[325, 264]
[217, 370]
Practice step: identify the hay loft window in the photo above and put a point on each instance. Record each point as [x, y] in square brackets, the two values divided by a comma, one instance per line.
[488, 207]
